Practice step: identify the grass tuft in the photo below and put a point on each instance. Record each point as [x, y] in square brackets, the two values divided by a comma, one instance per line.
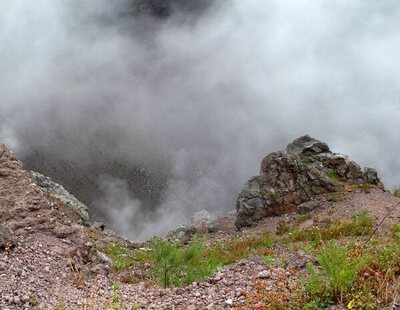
[120, 256]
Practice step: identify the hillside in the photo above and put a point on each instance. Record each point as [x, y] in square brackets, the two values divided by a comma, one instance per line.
[337, 248]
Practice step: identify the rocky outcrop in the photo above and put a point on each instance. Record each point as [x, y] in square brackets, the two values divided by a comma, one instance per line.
[50, 187]
[289, 179]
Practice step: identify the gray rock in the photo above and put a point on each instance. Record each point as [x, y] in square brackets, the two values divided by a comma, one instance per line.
[17, 300]
[307, 207]
[52, 188]
[371, 175]
[99, 225]
[183, 232]
[104, 258]
[290, 179]
[201, 217]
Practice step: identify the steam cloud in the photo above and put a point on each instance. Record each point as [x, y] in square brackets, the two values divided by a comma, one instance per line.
[148, 120]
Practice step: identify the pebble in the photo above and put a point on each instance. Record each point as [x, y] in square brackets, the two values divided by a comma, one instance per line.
[229, 301]
[265, 274]
[17, 300]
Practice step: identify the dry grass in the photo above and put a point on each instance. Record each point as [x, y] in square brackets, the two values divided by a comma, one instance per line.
[78, 277]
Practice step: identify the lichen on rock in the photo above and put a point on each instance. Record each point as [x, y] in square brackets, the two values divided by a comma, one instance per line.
[289, 178]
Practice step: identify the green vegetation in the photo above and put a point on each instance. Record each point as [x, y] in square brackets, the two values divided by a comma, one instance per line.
[179, 266]
[332, 174]
[350, 272]
[283, 228]
[269, 260]
[121, 256]
[116, 303]
[359, 225]
[306, 161]
[275, 195]
[396, 192]
[302, 218]
[172, 265]
[32, 301]
[396, 230]
[338, 270]
[239, 248]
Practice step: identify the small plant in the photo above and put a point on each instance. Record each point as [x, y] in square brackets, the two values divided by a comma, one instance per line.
[306, 161]
[115, 289]
[32, 301]
[269, 260]
[396, 230]
[172, 265]
[275, 195]
[332, 174]
[140, 256]
[363, 224]
[176, 266]
[337, 272]
[230, 252]
[396, 192]
[60, 306]
[120, 256]
[303, 217]
[283, 228]
[78, 278]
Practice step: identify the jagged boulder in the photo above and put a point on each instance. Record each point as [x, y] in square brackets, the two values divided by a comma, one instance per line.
[295, 176]
[49, 186]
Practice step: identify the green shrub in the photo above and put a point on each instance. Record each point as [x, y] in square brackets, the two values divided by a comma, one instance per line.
[172, 265]
[332, 174]
[396, 230]
[338, 270]
[396, 192]
[177, 266]
[363, 224]
[269, 260]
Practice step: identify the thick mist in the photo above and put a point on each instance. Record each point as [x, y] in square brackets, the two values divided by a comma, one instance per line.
[149, 119]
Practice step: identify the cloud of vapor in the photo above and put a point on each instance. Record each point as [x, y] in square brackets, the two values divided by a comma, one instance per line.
[149, 120]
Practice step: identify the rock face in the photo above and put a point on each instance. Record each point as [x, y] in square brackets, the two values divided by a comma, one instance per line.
[52, 188]
[289, 179]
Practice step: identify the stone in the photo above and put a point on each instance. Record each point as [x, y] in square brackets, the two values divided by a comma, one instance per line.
[182, 233]
[201, 217]
[104, 258]
[289, 180]
[307, 207]
[265, 274]
[17, 300]
[100, 269]
[99, 225]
